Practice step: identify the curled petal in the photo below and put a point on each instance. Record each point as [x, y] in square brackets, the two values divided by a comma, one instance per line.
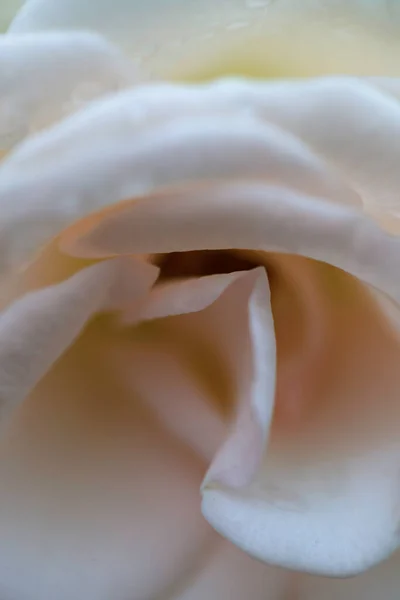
[45, 77]
[38, 328]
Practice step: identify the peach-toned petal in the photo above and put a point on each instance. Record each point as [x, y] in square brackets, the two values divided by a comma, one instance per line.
[229, 574]
[325, 498]
[221, 326]
[97, 499]
[45, 77]
[37, 329]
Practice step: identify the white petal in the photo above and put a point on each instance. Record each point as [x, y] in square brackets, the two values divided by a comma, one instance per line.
[44, 77]
[188, 36]
[37, 329]
[163, 135]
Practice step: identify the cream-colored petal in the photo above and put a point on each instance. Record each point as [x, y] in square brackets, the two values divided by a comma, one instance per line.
[156, 136]
[243, 215]
[44, 77]
[97, 499]
[199, 333]
[37, 329]
[292, 495]
[188, 38]
[332, 458]
[229, 574]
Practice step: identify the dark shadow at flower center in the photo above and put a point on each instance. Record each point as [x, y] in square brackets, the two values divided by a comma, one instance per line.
[177, 265]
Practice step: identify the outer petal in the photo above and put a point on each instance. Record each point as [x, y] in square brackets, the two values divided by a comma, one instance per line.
[210, 38]
[44, 77]
[8, 10]
[163, 135]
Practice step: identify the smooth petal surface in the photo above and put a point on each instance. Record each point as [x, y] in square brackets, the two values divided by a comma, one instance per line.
[229, 574]
[268, 507]
[38, 328]
[121, 413]
[380, 582]
[8, 10]
[243, 215]
[189, 38]
[164, 135]
[44, 77]
[97, 499]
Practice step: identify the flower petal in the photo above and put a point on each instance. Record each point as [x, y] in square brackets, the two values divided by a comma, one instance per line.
[217, 302]
[37, 329]
[210, 39]
[229, 574]
[365, 520]
[381, 582]
[44, 77]
[97, 499]
[243, 215]
[332, 463]
[162, 135]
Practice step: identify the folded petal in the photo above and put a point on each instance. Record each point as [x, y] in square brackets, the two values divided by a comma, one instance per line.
[317, 481]
[243, 215]
[38, 328]
[199, 332]
[45, 77]
[164, 135]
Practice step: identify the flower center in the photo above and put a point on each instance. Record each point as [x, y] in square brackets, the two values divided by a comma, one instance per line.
[177, 265]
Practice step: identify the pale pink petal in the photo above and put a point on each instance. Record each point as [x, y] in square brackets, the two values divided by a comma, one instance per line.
[325, 499]
[38, 328]
[214, 344]
[97, 499]
[45, 77]
[229, 574]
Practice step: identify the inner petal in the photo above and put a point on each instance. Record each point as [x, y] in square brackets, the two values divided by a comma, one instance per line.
[97, 498]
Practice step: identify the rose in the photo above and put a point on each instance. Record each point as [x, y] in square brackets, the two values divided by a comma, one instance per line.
[112, 410]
